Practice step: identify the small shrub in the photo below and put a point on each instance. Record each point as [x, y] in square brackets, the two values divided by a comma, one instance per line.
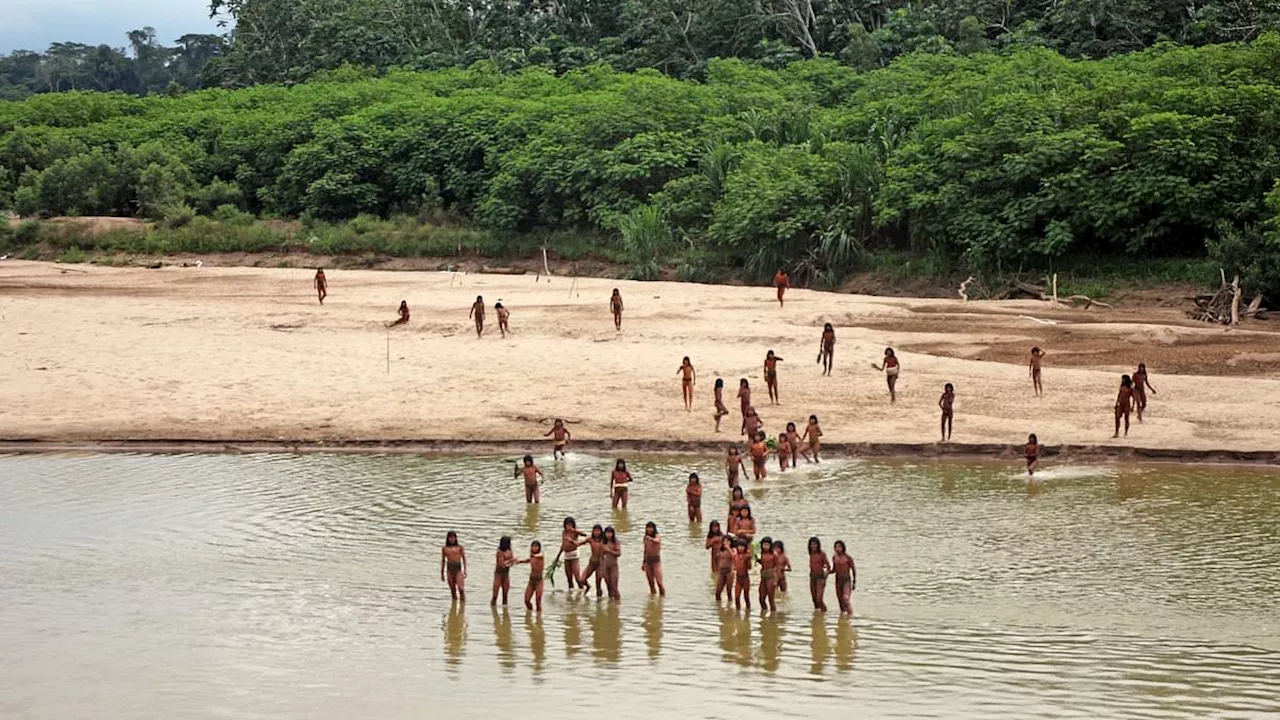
[72, 255]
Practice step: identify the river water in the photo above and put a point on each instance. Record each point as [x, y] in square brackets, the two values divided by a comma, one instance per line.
[274, 586]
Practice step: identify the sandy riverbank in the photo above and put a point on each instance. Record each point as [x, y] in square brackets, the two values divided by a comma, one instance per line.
[95, 354]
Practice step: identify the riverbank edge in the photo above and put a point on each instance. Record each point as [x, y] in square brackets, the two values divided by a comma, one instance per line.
[888, 451]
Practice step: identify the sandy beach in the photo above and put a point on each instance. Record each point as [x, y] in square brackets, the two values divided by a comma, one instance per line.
[225, 354]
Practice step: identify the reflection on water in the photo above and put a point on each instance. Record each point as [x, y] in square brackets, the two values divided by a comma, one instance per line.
[284, 587]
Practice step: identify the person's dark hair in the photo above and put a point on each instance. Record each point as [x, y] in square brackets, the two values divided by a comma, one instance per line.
[748, 509]
[828, 327]
[535, 547]
[888, 352]
[504, 543]
[714, 529]
[479, 298]
[620, 465]
[743, 383]
[694, 476]
[597, 532]
[777, 545]
[949, 387]
[737, 492]
[570, 522]
[651, 525]
[815, 545]
[528, 459]
[685, 361]
[451, 538]
[1032, 439]
[498, 305]
[608, 532]
[839, 547]
[1035, 349]
[791, 427]
[813, 419]
[769, 354]
[719, 382]
[1126, 381]
[1142, 367]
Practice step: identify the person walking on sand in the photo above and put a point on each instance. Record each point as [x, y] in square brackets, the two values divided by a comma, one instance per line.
[827, 349]
[504, 317]
[404, 315]
[1124, 404]
[1033, 450]
[721, 410]
[1033, 367]
[744, 395]
[321, 284]
[890, 369]
[615, 307]
[771, 375]
[453, 566]
[1141, 383]
[560, 437]
[689, 379]
[782, 281]
[946, 404]
[477, 313]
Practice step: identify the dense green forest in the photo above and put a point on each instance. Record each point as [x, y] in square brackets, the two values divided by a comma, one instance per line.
[987, 154]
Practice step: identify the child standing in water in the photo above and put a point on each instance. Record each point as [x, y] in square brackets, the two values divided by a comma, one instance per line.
[782, 281]
[693, 498]
[744, 395]
[690, 376]
[477, 312]
[453, 566]
[721, 410]
[891, 369]
[611, 551]
[321, 284]
[759, 457]
[531, 473]
[615, 307]
[733, 465]
[784, 564]
[945, 403]
[714, 536]
[723, 558]
[846, 576]
[768, 562]
[536, 562]
[737, 501]
[560, 437]
[742, 574]
[745, 528]
[1140, 386]
[771, 375]
[811, 433]
[827, 349]
[569, 544]
[503, 317]
[404, 314]
[502, 562]
[1124, 404]
[783, 450]
[1033, 450]
[619, 481]
[1033, 367]
[652, 564]
[819, 567]
[596, 541]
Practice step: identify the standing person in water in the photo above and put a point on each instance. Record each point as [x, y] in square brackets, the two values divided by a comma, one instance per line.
[1124, 404]
[502, 562]
[723, 559]
[690, 377]
[734, 466]
[783, 451]
[827, 349]
[1033, 451]
[771, 376]
[745, 528]
[819, 568]
[1033, 368]
[1141, 383]
[714, 536]
[693, 498]
[596, 541]
[532, 473]
[891, 369]
[744, 395]
[560, 437]
[784, 565]
[721, 410]
[477, 313]
[453, 566]
[615, 307]
[612, 554]
[321, 284]
[536, 562]
[946, 403]
[569, 544]
[504, 316]
[846, 576]
[619, 481]
[794, 445]
[652, 564]
[812, 433]
[759, 456]
[768, 562]
[737, 501]
[782, 281]
[403, 311]
[742, 574]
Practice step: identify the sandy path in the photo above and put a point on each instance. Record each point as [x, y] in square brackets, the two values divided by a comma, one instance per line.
[94, 353]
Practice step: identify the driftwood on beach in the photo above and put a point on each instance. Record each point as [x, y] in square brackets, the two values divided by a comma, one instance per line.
[1048, 292]
[1223, 306]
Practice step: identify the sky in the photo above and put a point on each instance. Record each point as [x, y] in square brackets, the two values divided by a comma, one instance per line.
[35, 24]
